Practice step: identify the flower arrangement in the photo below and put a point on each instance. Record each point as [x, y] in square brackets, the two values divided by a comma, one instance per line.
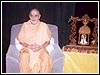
[80, 50]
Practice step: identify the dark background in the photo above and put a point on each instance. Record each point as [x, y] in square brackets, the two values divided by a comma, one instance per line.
[56, 13]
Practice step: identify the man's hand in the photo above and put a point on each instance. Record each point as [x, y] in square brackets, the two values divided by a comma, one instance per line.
[35, 47]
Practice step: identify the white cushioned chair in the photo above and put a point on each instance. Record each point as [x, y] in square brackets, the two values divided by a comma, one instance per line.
[12, 55]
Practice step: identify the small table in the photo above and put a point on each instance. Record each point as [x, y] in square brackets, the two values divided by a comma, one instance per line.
[80, 61]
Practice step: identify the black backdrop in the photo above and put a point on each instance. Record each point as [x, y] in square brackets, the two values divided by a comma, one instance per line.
[56, 13]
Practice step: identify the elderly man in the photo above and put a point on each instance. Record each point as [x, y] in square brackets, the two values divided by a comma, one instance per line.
[34, 36]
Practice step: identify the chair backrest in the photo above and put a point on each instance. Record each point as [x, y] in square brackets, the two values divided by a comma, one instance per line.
[15, 29]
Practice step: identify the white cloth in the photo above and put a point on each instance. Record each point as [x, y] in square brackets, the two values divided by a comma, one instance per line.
[49, 47]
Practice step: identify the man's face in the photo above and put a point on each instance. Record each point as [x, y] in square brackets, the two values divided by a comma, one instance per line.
[34, 16]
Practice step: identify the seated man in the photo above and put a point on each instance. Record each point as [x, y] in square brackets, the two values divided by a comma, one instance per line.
[34, 36]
